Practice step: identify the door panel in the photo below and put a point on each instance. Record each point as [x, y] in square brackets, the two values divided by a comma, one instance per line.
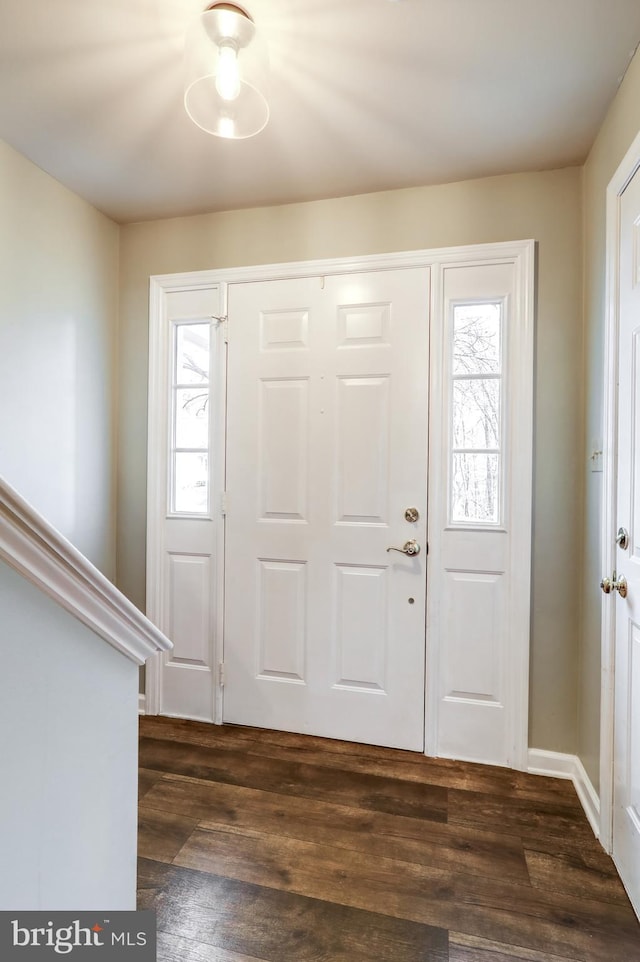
[327, 447]
[626, 814]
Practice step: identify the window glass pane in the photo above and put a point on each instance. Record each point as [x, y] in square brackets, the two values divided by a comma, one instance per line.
[191, 483]
[192, 418]
[476, 413]
[476, 339]
[192, 353]
[475, 488]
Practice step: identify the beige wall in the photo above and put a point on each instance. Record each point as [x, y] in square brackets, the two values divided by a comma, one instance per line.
[616, 135]
[544, 206]
[58, 322]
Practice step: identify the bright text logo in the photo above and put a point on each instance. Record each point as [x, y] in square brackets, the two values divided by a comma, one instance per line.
[31, 936]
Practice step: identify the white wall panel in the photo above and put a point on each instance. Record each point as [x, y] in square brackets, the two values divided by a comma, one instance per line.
[69, 764]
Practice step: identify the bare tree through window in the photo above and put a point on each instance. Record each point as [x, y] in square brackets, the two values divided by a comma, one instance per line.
[476, 402]
[190, 419]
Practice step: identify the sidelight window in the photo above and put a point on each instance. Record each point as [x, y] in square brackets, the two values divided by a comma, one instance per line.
[476, 419]
[190, 410]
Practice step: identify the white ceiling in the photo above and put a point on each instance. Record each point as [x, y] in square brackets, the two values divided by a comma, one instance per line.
[365, 95]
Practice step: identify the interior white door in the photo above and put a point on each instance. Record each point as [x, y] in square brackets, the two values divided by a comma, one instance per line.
[326, 450]
[626, 802]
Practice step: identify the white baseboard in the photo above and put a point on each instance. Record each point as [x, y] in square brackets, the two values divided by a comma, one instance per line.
[142, 700]
[559, 765]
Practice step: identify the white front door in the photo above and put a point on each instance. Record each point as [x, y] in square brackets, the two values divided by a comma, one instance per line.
[626, 814]
[327, 450]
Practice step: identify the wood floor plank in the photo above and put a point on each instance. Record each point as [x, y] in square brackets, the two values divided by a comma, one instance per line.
[217, 804]
[161, 835]
[174, 948]
[279, 926]
[586, 849]
[152, 878]
[469, 948]
[483, 907]
[372, 792]
[562, 873]
[146, 780]
[521, 817]
[408, 766]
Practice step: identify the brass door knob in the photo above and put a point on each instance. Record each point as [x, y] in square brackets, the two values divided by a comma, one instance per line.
[615, 584]
[409, 547]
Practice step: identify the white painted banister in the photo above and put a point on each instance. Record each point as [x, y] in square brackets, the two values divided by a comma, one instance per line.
[34, 548]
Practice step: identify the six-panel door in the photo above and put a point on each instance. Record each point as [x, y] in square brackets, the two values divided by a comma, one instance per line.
[326, 449]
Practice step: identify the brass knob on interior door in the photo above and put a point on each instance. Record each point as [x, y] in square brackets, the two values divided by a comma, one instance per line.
[612, 584]
[621, 586]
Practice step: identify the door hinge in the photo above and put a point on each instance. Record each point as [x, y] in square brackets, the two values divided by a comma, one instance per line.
[223, 504]
[221, 674]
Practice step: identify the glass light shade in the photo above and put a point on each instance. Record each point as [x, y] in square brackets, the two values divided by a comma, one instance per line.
[228, 75]
[221, 39]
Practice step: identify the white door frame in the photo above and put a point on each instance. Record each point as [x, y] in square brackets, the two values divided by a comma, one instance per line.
[520, 252]
[625, 172]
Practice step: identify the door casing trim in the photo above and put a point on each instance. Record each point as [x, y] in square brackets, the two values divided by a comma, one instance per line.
[522, 251]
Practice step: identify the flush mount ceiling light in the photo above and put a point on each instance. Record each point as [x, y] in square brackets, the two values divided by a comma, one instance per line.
[226, 70]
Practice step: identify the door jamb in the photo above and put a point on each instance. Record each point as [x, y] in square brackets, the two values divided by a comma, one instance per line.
[625, 172]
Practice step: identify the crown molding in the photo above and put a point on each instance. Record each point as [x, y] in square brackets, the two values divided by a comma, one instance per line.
[34, 548]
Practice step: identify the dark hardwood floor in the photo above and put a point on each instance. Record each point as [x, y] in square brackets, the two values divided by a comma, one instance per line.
[260, 845]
